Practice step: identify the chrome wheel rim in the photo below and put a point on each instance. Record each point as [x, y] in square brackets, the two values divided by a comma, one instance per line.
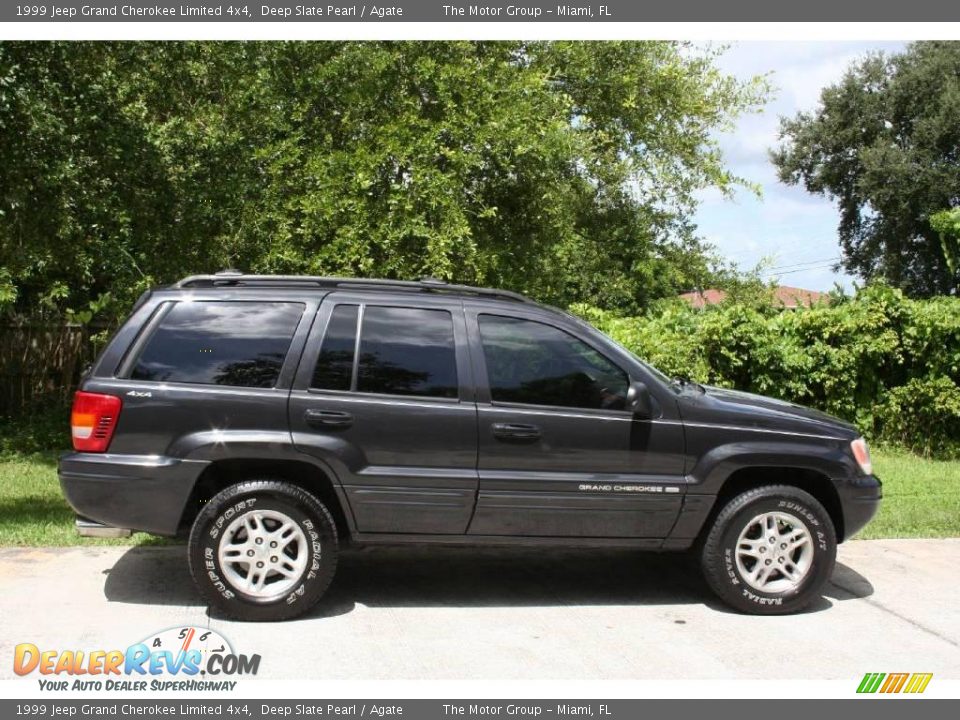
[263, 554]
[774, 552]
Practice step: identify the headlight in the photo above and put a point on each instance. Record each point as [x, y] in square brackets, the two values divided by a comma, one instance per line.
[862, 454]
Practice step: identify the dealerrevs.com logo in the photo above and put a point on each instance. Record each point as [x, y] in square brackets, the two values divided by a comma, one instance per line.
[180, 659]
[887, 683]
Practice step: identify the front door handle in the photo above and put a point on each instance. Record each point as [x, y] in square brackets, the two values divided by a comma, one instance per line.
[328, 418]
[516, 431]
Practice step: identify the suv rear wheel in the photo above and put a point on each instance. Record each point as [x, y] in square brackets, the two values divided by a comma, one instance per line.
[263, 550]
[770, 550]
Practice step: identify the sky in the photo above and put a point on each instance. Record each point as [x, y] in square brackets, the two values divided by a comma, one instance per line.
[795, 230]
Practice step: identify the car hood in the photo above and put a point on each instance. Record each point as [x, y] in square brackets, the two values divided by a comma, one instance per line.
[734, 408]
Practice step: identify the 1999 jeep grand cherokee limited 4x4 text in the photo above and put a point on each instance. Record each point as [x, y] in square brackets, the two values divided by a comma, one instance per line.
[275, 418]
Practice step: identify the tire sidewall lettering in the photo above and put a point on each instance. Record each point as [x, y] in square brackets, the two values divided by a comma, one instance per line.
[813, 524]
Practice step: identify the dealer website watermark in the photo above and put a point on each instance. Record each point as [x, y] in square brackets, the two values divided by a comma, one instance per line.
[187, 659]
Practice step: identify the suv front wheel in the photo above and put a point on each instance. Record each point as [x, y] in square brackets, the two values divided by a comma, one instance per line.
[263, 550]
[770, 550]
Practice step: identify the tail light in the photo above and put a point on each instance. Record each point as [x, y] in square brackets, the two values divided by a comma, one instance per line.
[93, 420]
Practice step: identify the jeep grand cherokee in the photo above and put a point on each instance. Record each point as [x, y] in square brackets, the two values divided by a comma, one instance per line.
[276, 418]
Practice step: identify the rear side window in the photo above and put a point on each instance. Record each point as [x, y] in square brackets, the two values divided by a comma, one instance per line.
[533, 363]
[407, 351]
[241, 344]
[403, 351]
[334, 368]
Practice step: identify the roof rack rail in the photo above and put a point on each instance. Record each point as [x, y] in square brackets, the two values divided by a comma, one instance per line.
[235, 278]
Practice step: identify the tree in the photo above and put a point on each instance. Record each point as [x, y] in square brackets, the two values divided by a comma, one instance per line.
[885, 144]
[947, 223]
[565, 170]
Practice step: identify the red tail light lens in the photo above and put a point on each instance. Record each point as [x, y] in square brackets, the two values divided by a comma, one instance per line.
[93, 420]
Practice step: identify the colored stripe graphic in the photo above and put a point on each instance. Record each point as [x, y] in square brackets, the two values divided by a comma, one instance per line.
[918, 682]
[870, 682]
[894, 682]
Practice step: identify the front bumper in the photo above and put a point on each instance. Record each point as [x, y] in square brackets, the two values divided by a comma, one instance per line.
[139, 492]
[860, 499]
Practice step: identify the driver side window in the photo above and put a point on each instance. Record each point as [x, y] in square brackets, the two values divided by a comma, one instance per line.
[536, 364]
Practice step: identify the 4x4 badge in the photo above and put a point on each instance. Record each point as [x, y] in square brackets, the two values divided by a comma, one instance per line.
[139, 393]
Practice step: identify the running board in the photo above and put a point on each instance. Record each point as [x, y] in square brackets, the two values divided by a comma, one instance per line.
[571, 542]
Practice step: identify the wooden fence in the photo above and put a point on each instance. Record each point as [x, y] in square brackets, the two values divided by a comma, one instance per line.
[42, 363]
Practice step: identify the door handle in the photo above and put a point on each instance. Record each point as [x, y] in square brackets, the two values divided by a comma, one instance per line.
[328, 418]
[516, 431]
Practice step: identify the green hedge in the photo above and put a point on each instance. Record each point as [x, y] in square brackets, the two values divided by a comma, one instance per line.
[887, 363]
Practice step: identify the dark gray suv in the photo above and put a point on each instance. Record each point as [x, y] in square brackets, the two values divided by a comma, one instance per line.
[276, 418]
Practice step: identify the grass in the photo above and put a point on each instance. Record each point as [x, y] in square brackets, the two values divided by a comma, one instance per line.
[33, 511]
[921, 499]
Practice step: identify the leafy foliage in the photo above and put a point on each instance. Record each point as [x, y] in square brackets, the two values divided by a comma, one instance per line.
[45, 429]
[883, 361]
[923, 415]
[566, 170]
[883, 143]
[947, 223]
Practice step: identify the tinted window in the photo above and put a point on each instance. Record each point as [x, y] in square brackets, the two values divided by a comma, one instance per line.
[407, 351]
[334, 369]
[529, 362]
[220, 343]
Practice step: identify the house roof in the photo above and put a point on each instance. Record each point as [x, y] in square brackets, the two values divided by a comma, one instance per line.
[783, 296]
[791, 297]
[701, 298]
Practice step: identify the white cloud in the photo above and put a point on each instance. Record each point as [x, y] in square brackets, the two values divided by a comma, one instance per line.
[802, 84]
[788, 224]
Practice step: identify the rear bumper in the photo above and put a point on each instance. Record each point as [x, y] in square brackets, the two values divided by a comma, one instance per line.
[139, 492]
[860, 498]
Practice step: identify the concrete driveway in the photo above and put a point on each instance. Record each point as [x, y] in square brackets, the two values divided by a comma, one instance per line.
[458, 613]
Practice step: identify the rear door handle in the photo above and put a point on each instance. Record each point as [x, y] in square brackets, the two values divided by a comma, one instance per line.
[516, 431]
[328, 418]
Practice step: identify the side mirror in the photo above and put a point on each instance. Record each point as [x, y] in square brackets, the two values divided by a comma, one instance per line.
[639, 401]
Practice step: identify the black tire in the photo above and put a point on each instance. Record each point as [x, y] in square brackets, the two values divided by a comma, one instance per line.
[306, 585]
[725, 574]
